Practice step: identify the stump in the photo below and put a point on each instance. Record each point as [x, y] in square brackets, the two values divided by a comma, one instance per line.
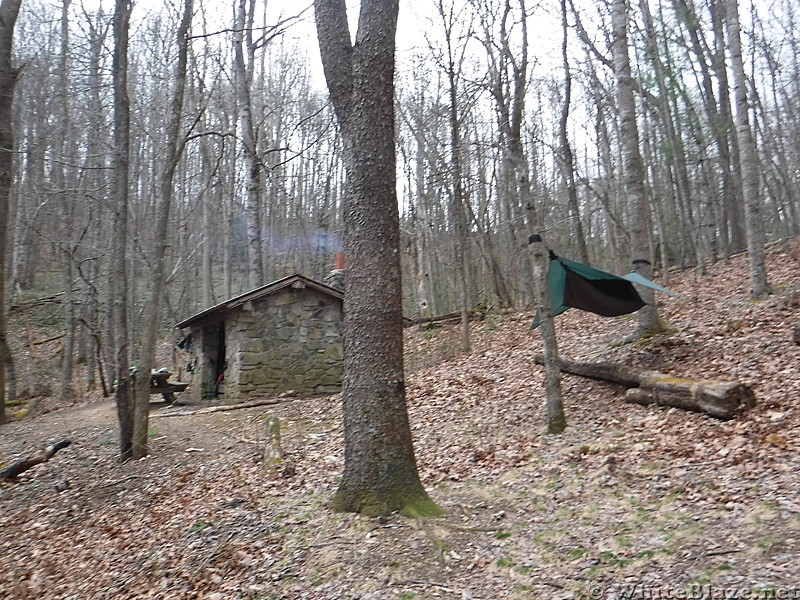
[273, 451]
[720, 399]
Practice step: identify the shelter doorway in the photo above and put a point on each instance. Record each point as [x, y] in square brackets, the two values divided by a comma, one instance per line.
[212, 372]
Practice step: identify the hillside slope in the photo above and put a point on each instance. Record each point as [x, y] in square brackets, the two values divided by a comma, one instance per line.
[628, 496]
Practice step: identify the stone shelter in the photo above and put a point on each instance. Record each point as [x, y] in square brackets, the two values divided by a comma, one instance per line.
[285, 336]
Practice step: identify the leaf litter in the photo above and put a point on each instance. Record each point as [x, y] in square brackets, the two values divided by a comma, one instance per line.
[628, 500]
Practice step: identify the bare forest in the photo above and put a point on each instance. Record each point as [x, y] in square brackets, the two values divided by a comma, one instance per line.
[507, 123]
[159, 158]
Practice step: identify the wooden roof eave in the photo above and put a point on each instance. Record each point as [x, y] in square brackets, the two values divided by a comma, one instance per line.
[210, 315]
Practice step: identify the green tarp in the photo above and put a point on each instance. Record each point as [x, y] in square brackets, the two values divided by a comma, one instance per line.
[575, 285]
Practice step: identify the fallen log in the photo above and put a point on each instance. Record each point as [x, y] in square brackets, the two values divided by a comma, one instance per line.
[472, 314]
[23, 464]
[720, 399]
[39, 301]
[223, 407]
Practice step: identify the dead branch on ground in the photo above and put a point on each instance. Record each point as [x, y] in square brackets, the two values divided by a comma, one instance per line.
[224, 407]
[31, 460]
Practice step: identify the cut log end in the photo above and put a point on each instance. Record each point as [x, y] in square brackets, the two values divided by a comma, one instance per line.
[717, 399]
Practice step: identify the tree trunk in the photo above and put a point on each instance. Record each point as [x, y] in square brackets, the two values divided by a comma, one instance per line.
[243, 42]
[728, 147]
[567, 162]
[458, 217]
[209, 200]
[118, 270]
[748, 158]
[67, 392]
[675, 156]
[152, 319]
[556, 421]
[380, 473]
[727, 223]
[9, 9]
[64, 148]
[638, 209]
[508, 81]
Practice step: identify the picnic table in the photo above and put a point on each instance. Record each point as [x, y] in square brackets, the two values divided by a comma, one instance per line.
[160, 384]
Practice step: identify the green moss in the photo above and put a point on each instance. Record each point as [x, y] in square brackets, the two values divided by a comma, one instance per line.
[423, 507]
[408, 502]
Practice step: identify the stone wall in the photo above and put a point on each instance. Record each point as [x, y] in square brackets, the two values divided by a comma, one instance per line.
[289, 341]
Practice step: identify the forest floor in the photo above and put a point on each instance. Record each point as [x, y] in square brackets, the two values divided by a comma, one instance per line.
[629, 502]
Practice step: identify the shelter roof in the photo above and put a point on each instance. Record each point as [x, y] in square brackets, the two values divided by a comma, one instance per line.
[292, 281]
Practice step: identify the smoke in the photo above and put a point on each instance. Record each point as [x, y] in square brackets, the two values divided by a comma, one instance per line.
[322, 241]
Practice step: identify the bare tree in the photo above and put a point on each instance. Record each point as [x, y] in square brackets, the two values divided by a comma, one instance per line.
[638, 210]
[452, 61]
[173, 149]
[748, 158]
[118, 287]
[507, 76]
[380, 473]
[244, 61]
[565, 154]
[9, 10]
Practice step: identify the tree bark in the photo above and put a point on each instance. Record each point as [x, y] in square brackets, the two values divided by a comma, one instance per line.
[244, 59]
[638, 209]
[675, 155]
[9, 10]
[457, 211]
[727, 207]
[152, 320]
[556, 421]
[567, 162]
[729, 150]
[118, 271]
[380, 473]
[748, 158]
[508, 82]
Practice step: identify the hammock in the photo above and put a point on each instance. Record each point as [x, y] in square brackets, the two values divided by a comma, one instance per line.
[575, 285]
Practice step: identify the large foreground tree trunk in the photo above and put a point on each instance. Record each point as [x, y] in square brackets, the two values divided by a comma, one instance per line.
[9, 9]
[380, 473]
